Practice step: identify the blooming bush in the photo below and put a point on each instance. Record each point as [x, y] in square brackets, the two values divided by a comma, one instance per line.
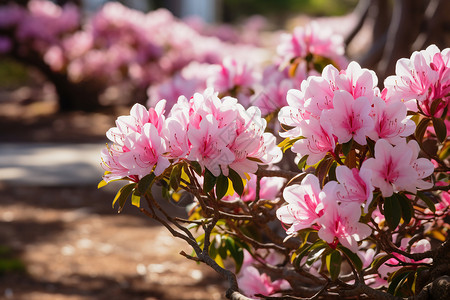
[364, 210]
[115, 47]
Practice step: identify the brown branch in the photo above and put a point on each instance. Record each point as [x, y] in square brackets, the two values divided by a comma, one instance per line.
[275, 173]
[361, 10]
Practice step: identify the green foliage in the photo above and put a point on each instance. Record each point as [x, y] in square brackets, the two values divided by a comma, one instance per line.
[237, 9]
[236, 179]
[302, 163]
[209, 181]
[333, 261]
[392, 211]
[12, 74]
[145, 183]
[346, 147]
[352, 257]
[440, 129]
[123, 194]
[224, 246]
[221, 186]
[420, 130]
[9, 263]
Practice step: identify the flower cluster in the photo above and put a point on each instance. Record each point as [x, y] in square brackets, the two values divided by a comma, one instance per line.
[254, 84]
[217, 133]
[346, 109]
[369, 184]
[328, 210]
[422, 80]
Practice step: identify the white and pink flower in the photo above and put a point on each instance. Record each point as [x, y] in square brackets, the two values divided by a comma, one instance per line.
[397, 168]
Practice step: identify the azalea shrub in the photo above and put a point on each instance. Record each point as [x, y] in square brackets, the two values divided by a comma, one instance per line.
[303, 179]
[118, 50]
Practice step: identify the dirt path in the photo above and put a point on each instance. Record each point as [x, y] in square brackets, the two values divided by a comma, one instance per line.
[75, 246]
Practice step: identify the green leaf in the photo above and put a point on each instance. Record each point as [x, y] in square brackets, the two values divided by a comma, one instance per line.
[420, 129]
[145, 183]
[302, 163]
[222, 250]
[406, 206]
[221, 186]
[164, 188]
[209, 181]
[333, 261]
[416, 274]
[397, 281]
[238, 185]
[392, 211]
[322, 169]
[123, 194]
[440, 129]
[380, 260]
[236, 252]
[434, 105]
[346, 147]
[352, 257]
[304, 234]
[200, 240]
[196, 167]
[304, 250]
[315, 254]
[332, 171]
[427, 201]
[136, 200]
[175, 175]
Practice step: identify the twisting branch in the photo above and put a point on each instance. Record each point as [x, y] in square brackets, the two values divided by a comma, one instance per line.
[275, 173]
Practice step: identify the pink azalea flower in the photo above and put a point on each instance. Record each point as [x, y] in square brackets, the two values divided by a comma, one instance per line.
[138, 146]
[397, 168]
[318, 140]
[5, 45]
[232, 74]
[110, 162]
[191, 79]
[11, 15]
[251, 142]
[318, 93]
[358, 81]
[304, 204]
[294, 114]
[391, 122]
[146, 152]
[341, 222]
[355, 186]
[312, 39]
[139, 116]
[349, 117]
[208, 145]
[234, 78]
[271, 94]
[220, 134]
[251, 283]
[175, 133]
[421, 79]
